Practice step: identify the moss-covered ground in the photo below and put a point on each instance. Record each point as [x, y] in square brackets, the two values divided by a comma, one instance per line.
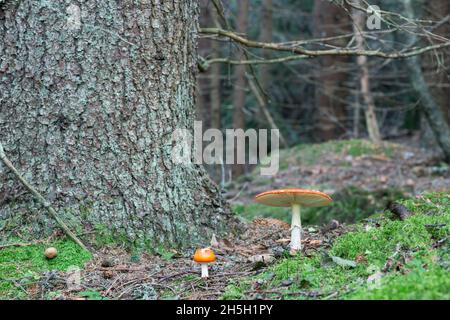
[383, 258]
[22, 266]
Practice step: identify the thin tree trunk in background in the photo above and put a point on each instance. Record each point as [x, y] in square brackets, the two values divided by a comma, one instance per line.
[266, 114]
[330, 93]
[435, 64]
[264, 70]
[266, 36]
[356, 117]
[431, 109]
[216, 101]
[369, 104]
[435, 70]
[240, 83]
[204, 105]
[87, 114]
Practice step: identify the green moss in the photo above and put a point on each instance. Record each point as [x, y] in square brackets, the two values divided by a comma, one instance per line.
[24, 264]
[422, 269]
[104, 236]
[418, 285]
[91, 295]
[378, 243]
[233, 292]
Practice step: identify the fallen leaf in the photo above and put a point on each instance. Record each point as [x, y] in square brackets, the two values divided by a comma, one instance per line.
[227, 243]
[286, 283]
[315, 242]
[283, 240]
[379, 157]
[374, 279]
[264, 258]
[343, 262]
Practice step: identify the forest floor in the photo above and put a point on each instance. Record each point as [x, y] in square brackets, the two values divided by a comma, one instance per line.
[353, 249]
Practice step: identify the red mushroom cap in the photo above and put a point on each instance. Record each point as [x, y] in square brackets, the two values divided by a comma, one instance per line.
[204, 255]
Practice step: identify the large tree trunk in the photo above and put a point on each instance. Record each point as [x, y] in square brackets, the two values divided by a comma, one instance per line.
[330, 94]
[87, 112]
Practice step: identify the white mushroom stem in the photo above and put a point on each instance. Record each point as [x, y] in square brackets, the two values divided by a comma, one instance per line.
[296, 228]
[204, 270]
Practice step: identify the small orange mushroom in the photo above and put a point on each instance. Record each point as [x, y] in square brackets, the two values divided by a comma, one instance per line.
[203, 257]
[294, 198]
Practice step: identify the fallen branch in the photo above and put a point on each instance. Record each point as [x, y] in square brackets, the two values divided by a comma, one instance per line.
[40, 198]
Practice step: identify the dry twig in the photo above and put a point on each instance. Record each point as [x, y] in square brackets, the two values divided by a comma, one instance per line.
[40, 198]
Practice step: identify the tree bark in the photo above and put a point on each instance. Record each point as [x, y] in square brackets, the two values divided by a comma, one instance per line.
[89, 99]
[240, 83]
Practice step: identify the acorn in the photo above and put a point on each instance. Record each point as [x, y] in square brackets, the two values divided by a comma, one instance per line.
[50, 253]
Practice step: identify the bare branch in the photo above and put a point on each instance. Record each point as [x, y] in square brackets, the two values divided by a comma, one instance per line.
[316, 53]
[207, 63]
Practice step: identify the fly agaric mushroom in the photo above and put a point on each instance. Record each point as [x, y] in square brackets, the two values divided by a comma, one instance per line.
[294, 198]
[204, 256]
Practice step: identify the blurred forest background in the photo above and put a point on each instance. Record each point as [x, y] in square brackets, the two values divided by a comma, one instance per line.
[322, 98]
